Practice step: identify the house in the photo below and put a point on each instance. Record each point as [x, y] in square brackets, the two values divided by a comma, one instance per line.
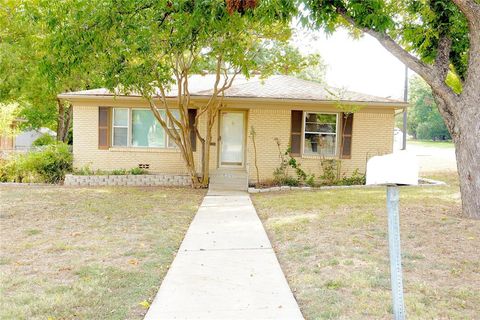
[25, 139]
[112, 131]
[8, 139]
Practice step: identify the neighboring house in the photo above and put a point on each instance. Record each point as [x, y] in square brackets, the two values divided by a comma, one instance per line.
[119, 131]
[8, 141]
[24, 140]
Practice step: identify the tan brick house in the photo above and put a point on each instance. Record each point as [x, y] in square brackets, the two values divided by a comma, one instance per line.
[119, 131]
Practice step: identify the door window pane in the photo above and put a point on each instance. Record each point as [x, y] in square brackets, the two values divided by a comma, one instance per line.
[146, 131]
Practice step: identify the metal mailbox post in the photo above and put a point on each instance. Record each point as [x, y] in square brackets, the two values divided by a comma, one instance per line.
[392, 170]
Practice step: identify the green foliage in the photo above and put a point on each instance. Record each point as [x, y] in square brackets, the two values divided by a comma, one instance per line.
[39, 57]
[8, 114]
[356, 178]
[424, 119]
[416, 25]
[44, 140]
[137, 171]
[87, 171]
[49, 165]
[281, 175]
[329, 171]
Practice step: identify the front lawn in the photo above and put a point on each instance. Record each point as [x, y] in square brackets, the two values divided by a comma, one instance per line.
[88, 253]
[333, 248]
[431, 144]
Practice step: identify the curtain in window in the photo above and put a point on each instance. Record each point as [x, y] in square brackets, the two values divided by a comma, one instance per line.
[146, 131]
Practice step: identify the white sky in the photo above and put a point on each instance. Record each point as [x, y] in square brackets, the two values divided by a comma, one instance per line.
[361, 65]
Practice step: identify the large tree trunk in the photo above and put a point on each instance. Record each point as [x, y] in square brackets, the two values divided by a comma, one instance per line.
[467, 150]
[64, 120]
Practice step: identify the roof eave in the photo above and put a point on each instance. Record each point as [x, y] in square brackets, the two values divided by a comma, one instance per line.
[105, 97]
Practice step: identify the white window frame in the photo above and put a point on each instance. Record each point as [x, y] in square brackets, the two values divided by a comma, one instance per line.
[320, 133]
[130, 128]
[127, 127]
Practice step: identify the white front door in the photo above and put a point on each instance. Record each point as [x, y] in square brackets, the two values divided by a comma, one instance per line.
[232, 138]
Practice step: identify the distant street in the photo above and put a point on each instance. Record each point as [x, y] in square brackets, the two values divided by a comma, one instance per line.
[434, 158]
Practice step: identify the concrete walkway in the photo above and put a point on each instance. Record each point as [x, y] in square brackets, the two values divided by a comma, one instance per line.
[225, 268]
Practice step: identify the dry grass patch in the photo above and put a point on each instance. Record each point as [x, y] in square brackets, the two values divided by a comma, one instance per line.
[88, 253]
[333, 247]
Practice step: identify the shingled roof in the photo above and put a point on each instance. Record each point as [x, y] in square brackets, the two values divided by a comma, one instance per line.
[274, 87]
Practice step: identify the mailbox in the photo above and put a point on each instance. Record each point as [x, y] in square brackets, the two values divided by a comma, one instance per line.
[400, 168]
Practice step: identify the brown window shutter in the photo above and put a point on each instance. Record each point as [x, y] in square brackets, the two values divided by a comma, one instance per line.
[103, 128]
[296, 132]
[192, 113]
[347, 129]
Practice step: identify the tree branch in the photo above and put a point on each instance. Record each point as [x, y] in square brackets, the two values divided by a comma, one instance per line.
[427, 72]
[442, 61]
[471, 11]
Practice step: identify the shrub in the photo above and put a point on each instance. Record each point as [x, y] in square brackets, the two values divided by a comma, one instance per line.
[49, 165]
[137, 171]
[280, 174]
[119, 172]
[84, 171]
[356, 178]
[44, 140]
[329, 171]
[87, 171]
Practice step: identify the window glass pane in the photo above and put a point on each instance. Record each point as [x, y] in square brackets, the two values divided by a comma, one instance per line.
[176, 115]
[171, 143]
[120, 136]
[146, 131]
[320, 144]
[120, 117]
[318, 122]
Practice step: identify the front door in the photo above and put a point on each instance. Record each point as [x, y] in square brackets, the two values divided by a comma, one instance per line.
[232, 138]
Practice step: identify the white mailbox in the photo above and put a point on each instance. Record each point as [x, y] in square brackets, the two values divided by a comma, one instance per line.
[395, 168]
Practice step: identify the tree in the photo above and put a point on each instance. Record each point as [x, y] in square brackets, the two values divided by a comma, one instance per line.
[153, 47]
[440, 41]
[424, 119]
[8, 115]
[33, 67]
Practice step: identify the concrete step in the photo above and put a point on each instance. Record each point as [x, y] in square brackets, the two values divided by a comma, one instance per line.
[226, 179]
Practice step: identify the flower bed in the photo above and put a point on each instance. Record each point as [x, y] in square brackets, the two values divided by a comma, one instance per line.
[422, 182]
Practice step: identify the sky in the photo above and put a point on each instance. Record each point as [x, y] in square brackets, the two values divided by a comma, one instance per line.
[361, 65]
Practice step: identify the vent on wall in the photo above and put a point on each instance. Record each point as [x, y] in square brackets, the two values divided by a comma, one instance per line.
[144, 165]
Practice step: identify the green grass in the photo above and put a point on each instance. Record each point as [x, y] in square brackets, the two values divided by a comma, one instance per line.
[88, 253]
[430, 144]
[333, 248]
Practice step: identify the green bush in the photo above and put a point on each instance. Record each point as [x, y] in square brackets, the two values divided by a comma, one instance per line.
[87, 171]
[137, 171]
[119, 172]
[49, 165]
[356, 178]
[44, 140]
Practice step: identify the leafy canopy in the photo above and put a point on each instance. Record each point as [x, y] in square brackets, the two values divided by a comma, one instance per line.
[416, 25]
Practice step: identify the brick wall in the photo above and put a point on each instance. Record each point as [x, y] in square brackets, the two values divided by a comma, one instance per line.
[86, 152]
[372, 135]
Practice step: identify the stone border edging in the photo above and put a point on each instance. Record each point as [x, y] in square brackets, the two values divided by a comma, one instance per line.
[141, 180]
[423, 182]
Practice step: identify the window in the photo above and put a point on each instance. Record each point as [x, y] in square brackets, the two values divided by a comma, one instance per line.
[120, 127]
[320, 134]
[146, 130]
[171, 126]
[134, 127]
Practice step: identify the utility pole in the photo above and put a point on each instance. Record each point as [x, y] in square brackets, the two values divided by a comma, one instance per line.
[405, 98]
